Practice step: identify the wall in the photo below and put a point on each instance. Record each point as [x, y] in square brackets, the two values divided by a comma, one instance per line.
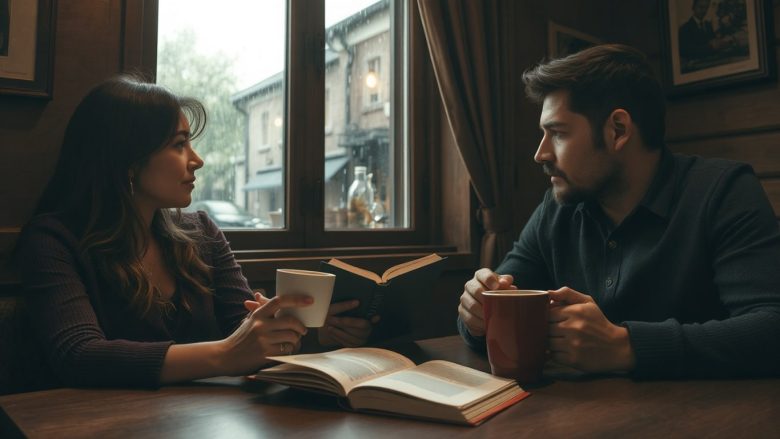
[88, 49]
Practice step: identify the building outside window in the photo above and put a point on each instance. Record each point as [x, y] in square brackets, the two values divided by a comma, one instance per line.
[372, 80]
[264, 128]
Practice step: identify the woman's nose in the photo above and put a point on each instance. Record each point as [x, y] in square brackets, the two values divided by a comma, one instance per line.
[195, 161]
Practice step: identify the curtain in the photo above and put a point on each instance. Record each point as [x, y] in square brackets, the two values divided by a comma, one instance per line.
[471, 44]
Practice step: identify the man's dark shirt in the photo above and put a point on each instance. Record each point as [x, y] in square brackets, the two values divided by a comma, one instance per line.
[693, 272]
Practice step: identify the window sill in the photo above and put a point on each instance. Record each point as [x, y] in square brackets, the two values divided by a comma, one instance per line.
[260, 266]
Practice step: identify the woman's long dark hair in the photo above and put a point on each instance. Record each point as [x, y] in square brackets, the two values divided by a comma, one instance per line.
[115, 129]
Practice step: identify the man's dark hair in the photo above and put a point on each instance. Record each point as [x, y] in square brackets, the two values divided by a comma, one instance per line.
[600, 80]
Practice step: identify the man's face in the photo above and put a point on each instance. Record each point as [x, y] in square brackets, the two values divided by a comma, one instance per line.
[578, 170]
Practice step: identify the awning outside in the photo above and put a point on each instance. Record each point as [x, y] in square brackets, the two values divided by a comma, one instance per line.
[267, 179]
[333, 165]
[272, 178]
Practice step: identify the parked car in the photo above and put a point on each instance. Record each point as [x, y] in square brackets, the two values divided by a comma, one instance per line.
[227, 214]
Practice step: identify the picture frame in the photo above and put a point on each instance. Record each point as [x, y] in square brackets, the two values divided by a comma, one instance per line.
[27, 29]
[563, 41]
[715, 43]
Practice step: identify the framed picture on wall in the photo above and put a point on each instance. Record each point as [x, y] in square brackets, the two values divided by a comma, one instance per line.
[26, 47]
[715, 43]
[563, 41]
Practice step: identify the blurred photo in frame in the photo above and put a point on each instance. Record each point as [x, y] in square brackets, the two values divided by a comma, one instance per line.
[714, 43]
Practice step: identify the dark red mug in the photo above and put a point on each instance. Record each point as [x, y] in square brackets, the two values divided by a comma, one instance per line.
[516, 324]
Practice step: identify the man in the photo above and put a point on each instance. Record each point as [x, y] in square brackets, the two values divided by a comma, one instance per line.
[696, 37]
[660, 265]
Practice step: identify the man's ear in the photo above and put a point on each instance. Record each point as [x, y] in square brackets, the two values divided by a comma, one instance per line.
[618, 129]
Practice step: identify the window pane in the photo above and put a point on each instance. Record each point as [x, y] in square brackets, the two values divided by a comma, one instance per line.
[365, 166]
[232, 58]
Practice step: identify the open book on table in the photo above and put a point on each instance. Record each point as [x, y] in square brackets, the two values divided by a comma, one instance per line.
[378, 380]
[396, 286]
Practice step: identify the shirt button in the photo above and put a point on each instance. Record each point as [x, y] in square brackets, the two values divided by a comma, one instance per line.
[612, 245]
[609, 282]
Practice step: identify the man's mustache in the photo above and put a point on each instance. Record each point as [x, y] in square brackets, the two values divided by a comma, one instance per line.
[552, 171]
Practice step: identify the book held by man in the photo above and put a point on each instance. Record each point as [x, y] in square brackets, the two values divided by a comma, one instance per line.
[394, 289]
[382, 381]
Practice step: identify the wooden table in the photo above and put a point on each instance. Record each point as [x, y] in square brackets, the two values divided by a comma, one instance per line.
[225, 407]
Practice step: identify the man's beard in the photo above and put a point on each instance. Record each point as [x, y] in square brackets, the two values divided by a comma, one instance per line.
[570, 194]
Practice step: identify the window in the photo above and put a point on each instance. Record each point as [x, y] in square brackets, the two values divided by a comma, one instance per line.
[327, 171]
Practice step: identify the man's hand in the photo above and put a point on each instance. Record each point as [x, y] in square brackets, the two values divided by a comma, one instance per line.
[345, 331]
[581, 336]
[470, 308]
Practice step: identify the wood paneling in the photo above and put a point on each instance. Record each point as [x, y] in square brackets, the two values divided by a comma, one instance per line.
[762, 150]
[747, 107]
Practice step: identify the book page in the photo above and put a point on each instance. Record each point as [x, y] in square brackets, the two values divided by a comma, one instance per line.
[351, 367]
[442, 382]
[356, 270]
[406, 267]
[301, 377]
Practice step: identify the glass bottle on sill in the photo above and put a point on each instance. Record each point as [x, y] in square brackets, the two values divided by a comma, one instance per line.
[378, 213]
[361, 197]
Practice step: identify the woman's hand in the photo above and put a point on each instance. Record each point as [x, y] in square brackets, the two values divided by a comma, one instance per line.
[262, 334]
[345, 331]
[252, 305]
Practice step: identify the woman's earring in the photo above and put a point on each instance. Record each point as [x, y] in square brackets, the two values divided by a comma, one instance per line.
[132, 189]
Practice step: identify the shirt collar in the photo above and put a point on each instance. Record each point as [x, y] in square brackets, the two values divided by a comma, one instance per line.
[659, 196]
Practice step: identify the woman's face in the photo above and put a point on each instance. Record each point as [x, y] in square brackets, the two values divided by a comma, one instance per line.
[168, 178]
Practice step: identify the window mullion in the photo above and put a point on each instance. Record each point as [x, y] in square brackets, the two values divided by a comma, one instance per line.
[305, 116]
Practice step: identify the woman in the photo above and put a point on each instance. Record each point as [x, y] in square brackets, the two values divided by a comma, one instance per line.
[126, 291]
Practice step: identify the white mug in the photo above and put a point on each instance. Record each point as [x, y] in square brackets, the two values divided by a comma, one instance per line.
[315, 284]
